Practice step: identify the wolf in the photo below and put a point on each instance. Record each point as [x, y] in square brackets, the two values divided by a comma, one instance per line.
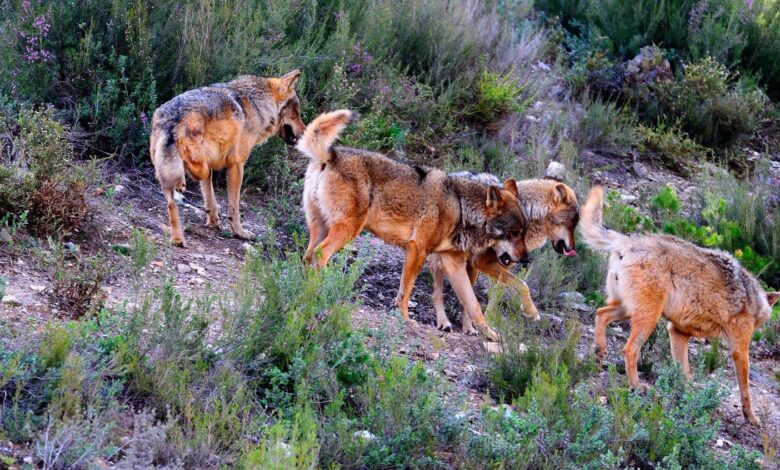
[553, 212]
[418, 208]
[216, 127]
[701, 292]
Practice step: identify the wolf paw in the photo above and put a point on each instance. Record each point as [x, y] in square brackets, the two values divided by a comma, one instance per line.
[178, 242]
[470, 330]
[410, 322]
[752, 419]
[600, 353]
[490, 333]
[444, 326]
[244, 234]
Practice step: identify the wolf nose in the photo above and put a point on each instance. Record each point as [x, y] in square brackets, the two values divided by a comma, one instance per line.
[525, 260]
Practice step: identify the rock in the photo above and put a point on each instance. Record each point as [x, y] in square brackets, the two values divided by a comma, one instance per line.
[572, 297]
[542, 66]
[183, 268]
[70, 246]
[649, 66]
[37, 288]
[492, 347]
[628, 198]
[364, 434]
[603, 400]
[719, 443]
[555, 170]
[581, 307]
[5, 237]
[11, 301]
[28, 460]
[118, 189]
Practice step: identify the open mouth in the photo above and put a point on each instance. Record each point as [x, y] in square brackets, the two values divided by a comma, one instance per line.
[505, 259]
[288, 135]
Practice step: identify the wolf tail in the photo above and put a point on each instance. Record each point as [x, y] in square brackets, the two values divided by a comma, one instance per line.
[322, 132]
[591, 223]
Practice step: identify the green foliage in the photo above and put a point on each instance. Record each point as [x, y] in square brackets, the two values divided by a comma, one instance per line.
[605, 126]
[672, 147]
[496, 96]
[708, 107]
[624, 218]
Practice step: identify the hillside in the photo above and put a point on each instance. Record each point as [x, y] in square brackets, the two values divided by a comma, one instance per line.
[119, 350]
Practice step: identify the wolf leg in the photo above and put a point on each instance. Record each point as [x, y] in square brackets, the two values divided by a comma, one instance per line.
[210, 202]
[604, 316]
[235, 175]
[415, 257]
[679, 345]
[488, 264]
[437, 272]
[339, 234]
[177, 234]
[646, 308]
[455, 267]
[741, 358]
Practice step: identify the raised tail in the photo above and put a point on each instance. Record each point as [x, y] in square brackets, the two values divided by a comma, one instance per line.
[322, 132]
[591, 223]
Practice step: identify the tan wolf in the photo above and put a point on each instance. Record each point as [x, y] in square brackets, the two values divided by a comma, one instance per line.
[553, 212]
[216, 127]
[702, 292]
[418, 208]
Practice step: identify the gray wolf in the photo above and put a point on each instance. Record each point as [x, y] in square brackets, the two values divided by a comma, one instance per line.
[552, 211]
[701, 292]
[216, 127]
[418, 208]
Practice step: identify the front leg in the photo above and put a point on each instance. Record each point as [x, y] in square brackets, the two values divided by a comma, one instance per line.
[437, 272]
[455, 266]
[235, 175]
[415, 257]
[488, 264]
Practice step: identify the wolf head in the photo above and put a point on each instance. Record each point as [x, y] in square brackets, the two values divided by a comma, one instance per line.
[289, 125]
[562, 219]
[506, 223]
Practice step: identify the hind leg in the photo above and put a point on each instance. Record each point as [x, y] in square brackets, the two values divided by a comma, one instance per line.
[614, 311]
[437, 272]
[317, 231]
[235, 175]
[210, 202]
[679, 345]
[177, 234]
[646, 308]
[339, 234]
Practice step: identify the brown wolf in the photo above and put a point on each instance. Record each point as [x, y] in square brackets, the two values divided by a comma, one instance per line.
[702, 292]
[215, 127]
[418, 208]
[552, 211]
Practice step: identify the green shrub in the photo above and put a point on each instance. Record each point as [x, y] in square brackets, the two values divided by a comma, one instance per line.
[604, 126]
[624, 218]
[496, 96]
[709, 108]
[672, 147]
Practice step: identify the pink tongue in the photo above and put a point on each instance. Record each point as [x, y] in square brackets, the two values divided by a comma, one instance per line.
[571, 252]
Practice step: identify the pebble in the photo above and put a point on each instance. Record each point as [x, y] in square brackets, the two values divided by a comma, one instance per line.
[37, 288]
[555, 170]
[11, 300]
[183, 268]
[572, 297]
[365, 435]
[628, 198]
[5, 237]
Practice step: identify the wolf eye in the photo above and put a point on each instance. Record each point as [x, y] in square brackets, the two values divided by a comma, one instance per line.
[514, 233]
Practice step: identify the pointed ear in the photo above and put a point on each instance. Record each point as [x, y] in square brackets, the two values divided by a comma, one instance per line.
[494, 199]
[772, 297]
[560, 194]
[511, 186]
[288, 80]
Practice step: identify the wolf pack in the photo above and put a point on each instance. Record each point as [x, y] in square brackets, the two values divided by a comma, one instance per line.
[461, 223]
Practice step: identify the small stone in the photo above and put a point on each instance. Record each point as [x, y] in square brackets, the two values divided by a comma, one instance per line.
[555, 170]
[183, 268]
[37, 288]
[542, 66]
[719, 443]
[11, 301]
[572, 297]
[492, 347]
[603, 400]
[118, 189]
[28, 460]
[581, 307]
[5, 237]
[412, 304]
[365, 435]
[627, 198]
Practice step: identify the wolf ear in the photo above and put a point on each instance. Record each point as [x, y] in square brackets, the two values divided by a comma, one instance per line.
[511, 186]
[288, 81]
[560, 194]
[494, 198]
[772, 297]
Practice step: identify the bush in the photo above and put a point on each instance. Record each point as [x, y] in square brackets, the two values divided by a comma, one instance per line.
[604, 126]
[496, 96]
[709, 108]
[77, 287]
[671, 147]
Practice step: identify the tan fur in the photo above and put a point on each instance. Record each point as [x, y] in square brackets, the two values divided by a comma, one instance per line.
[418, 208]
[552, 210]
[701, 292]
[215, 128]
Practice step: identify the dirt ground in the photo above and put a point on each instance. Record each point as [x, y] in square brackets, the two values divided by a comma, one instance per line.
[212, 260]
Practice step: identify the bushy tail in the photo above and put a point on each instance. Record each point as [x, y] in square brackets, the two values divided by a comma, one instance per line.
[591, 225]
[322, 132]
